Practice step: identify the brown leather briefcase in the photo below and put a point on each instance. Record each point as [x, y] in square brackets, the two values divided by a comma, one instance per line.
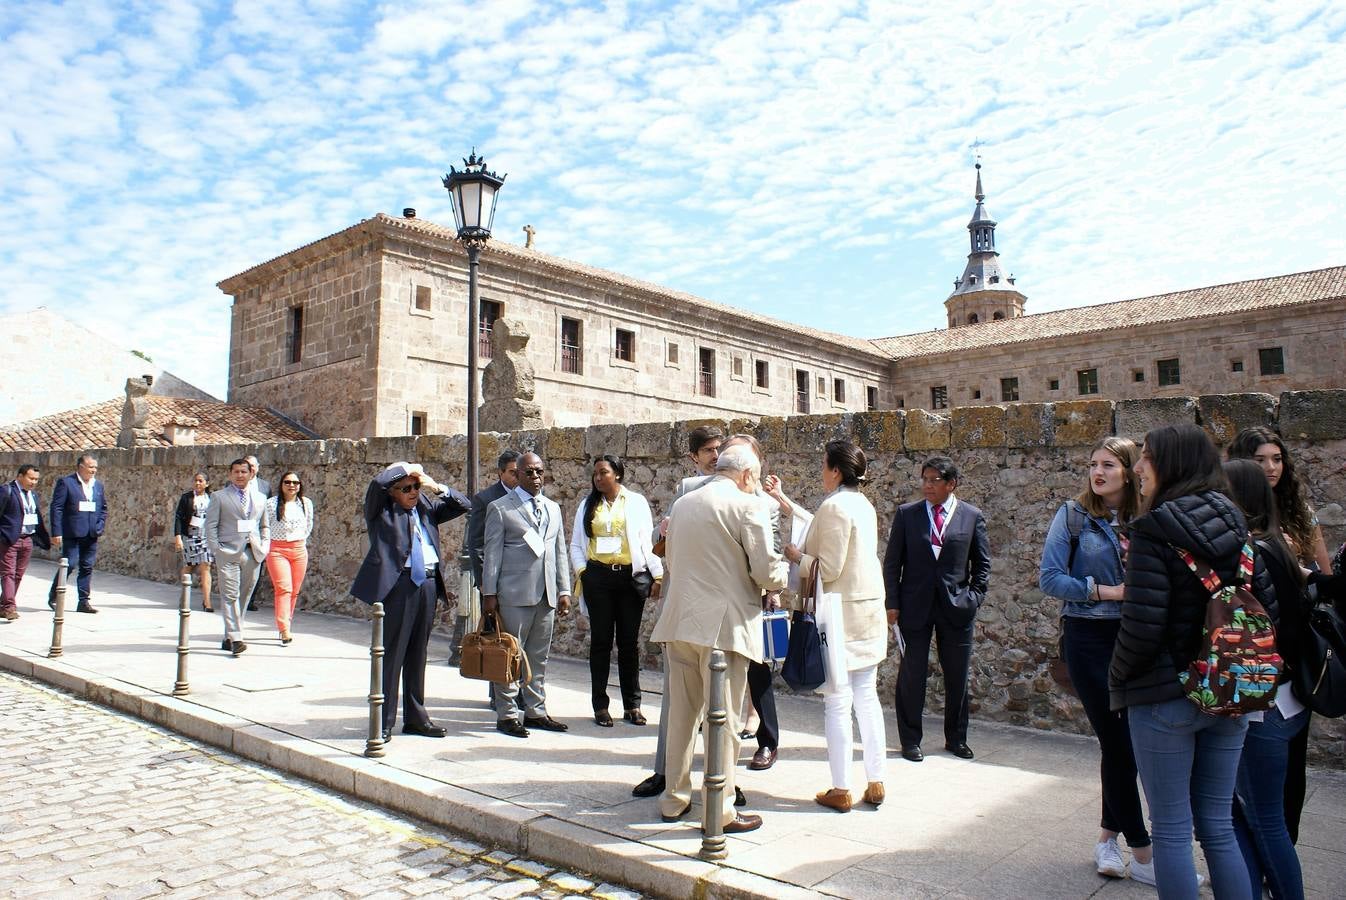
[493, 655]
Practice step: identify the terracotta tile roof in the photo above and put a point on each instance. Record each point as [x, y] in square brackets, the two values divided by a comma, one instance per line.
[98, 425]
[382, 223]
[1198, 303]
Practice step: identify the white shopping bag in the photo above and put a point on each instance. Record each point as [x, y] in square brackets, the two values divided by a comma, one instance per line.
[832, 634]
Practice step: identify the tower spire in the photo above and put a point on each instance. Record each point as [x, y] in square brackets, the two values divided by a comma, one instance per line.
[984, 293]
[980, 194]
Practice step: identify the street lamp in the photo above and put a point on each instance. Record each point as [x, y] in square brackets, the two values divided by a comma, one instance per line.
[473, 192]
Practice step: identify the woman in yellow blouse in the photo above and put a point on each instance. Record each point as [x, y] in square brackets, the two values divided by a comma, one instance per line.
[610, 546]
[844, 539]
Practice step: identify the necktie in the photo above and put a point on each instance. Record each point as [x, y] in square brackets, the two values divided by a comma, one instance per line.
[935, 538]
[247, 504]
[537, 512]
[417, 551]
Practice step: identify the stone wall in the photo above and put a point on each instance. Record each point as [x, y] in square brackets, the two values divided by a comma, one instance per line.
[1019, 462]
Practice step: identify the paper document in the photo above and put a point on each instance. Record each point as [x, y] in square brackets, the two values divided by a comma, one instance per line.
[897, 637]
[800, 520]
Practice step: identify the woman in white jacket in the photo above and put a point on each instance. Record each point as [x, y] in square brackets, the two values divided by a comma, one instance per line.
[611, 549]
[843, 538]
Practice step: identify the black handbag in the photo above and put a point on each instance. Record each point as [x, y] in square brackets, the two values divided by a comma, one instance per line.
[803, 668]
[643, 582]
[1320, 678]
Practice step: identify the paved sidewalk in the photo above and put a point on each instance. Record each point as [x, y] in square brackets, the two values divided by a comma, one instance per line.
[1019, 821]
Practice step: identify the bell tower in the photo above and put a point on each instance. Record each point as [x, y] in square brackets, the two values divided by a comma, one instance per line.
[984, 293]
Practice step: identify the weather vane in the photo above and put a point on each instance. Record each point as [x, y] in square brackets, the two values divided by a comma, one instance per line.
[976, 146]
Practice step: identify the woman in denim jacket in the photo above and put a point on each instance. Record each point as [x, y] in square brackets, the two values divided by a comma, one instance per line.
[1082, 566]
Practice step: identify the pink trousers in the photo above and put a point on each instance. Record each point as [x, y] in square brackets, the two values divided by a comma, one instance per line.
[286, 564]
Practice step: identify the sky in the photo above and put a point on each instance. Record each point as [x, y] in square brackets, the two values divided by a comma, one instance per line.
[810, 161]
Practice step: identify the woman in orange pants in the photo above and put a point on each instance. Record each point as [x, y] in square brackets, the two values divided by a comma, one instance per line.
[290, 517]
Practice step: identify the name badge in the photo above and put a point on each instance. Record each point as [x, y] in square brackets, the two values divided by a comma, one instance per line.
[534, 542]
[197, 521]
[609, 546]
[29, 520]
[246, 526]
[88, 506]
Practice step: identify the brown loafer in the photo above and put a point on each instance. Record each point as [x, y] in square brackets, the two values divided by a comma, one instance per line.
[743, 822]
[763, 759]
[836, 798]
[874, 793]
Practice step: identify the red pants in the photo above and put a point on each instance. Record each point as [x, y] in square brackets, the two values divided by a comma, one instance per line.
[286, 564]
[13, 563]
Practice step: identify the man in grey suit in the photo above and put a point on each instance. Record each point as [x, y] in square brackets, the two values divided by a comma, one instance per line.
[525, 581]
[237, 535]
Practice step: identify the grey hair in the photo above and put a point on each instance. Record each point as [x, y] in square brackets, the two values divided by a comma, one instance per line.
[738, 458]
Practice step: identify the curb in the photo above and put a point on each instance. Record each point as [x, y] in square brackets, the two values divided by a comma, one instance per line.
[508, 825]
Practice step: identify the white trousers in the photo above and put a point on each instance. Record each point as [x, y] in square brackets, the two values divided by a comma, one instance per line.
[858, 691]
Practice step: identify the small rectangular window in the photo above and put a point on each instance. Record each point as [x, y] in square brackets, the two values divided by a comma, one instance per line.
[1009, 390]
[571, 348]
[422, 297]
[762, 372]
[418, 420]
[1169, 372]
[939, 397]
[706, 372]
[296, 333]
[1087, 380]
[738, 366]
[1137, 375]
[490, 311]
[838, 390]
[976, 393]
[624, 345]
[801, 391]
[1053, 384]
[672, 354]
[822, 386]
[1236, 365]
[901, 401]
[871, 398]
[1271, 361]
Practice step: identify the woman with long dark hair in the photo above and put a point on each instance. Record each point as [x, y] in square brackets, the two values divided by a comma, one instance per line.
[289, 514]
[1298, 522]
[1187, 759]
[1259, 811]
[189, 534]
[611, 547]
[1083, 566]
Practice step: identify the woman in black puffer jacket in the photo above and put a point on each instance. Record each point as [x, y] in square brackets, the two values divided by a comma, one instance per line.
[1187, 759]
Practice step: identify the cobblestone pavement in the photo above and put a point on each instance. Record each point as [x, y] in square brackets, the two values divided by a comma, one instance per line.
[97, 804]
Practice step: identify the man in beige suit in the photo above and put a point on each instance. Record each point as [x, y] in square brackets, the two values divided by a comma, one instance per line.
[721, 557]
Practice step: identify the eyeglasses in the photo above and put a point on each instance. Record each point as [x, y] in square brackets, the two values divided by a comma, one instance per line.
[936, 480]
[291, 483]
[532, 471]
[409, 489]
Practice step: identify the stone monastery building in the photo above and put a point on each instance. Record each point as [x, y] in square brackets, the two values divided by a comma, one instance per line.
[361, 333]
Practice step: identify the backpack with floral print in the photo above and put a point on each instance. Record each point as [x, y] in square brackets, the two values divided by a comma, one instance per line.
[1238, 668]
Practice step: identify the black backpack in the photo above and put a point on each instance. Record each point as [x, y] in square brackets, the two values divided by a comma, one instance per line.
[1320, 679]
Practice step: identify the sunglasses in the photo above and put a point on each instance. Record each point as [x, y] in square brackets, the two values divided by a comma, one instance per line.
[292, 483]
[532, 471]
[409, 489]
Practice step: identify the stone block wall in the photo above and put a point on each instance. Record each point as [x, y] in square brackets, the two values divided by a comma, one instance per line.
[1019, 462]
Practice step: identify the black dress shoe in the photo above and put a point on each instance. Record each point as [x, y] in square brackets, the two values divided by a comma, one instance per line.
[237, 647]
[253, 607]
[743, 822]
[650, 787]
[226, 644]
[763, 759]
[387, 735]
[429, 729]
[960, 750]
[634, 716]
[51, 601]
[85, 607]
[546, 723]
[739, 799]
[603, 718]
[677, 817]
[913, 753]
[511, 727]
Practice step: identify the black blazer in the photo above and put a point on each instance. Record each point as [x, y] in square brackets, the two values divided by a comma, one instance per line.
[921, 587]
[182, 519]
[476, 525]
[390, 535]
[11, 517]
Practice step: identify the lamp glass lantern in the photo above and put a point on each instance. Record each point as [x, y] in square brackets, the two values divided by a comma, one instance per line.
[473, 192]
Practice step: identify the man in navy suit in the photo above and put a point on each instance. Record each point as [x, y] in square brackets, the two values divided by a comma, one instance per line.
[935, 573]
[78, 514]
[401, 571]
[21, 527]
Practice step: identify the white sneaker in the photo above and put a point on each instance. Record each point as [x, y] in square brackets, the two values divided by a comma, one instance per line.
[1144, 873]
[1108, 859]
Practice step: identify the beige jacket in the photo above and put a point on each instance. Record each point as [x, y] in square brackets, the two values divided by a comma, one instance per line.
[721, 550]
[844, 538]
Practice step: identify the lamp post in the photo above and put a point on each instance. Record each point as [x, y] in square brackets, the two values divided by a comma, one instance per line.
[473, 192]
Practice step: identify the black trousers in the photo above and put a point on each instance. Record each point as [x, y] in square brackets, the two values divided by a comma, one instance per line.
[1088, 651]
[1296, 784]
[764, 701]
[615, 610]
[954, 643]
[409, 612]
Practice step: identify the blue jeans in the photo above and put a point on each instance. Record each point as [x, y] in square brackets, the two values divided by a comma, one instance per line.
[1188, 762]
[1259, 814]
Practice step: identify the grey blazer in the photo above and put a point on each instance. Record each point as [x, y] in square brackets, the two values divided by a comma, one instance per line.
[222, 532]
[510, 568]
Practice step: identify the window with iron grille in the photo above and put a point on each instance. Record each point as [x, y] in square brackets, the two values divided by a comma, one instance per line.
[1009, 390]
[624, 345]
[490, 311]
[706, 372]
[1271, 361]
[1087, 381]
[801, 391]
[1169, 372]
[939, 397]
[571, 349]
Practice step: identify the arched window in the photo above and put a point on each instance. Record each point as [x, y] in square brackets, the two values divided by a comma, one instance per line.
[973, 319]
[998, 315]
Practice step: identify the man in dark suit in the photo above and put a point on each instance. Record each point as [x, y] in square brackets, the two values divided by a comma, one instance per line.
[935, 573]
[401, 571]
[507, 468]
[261, 486]
[78, 514]
[21, 527]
